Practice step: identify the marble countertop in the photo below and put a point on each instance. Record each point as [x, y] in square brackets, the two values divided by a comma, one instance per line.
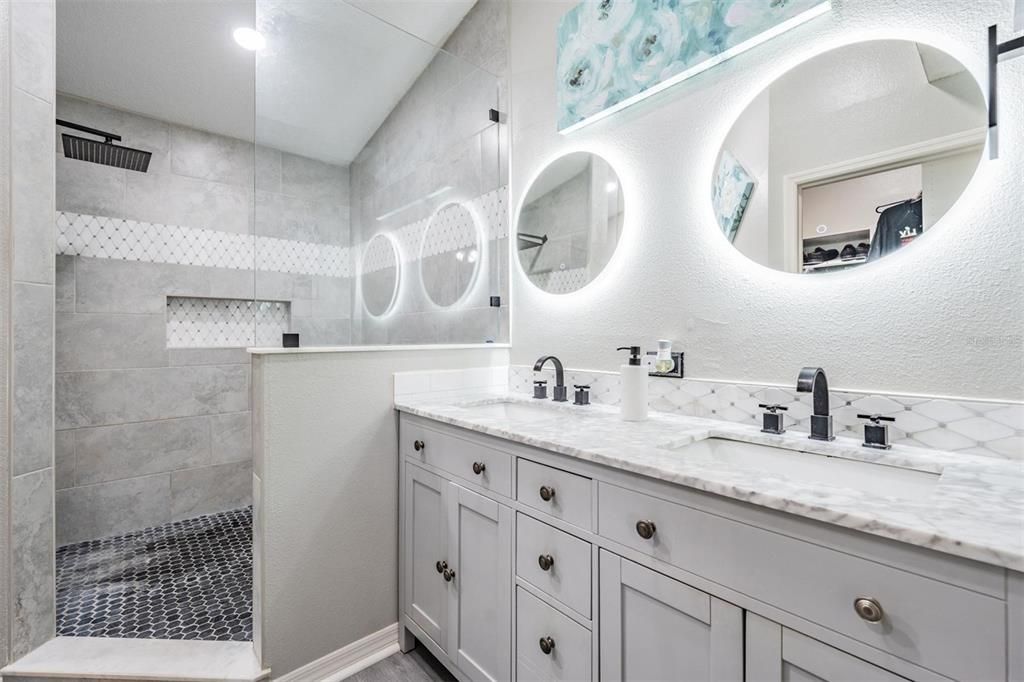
[975, 509]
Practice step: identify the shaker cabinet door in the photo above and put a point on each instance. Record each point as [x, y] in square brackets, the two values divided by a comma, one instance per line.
[480, 591]
[426, 543]
[775, 653]
[654, 628]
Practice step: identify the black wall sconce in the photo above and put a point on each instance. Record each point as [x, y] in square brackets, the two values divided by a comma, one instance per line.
[995, 50]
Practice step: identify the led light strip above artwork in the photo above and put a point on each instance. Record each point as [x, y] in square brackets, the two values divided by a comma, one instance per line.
[615, 53]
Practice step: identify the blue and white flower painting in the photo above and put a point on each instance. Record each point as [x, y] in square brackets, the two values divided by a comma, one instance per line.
[610, 51]
[731, 194]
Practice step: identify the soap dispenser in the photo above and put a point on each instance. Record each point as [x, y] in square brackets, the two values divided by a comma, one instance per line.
[634, 386]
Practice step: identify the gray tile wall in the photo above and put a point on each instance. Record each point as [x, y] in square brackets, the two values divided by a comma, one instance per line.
[439, 135]
[148, 434]
[26, 159]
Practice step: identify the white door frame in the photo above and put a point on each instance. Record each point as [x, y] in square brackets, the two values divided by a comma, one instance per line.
[918, 152]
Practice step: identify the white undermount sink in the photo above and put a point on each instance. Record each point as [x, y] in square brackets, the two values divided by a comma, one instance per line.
[814, 469]
[513, 410]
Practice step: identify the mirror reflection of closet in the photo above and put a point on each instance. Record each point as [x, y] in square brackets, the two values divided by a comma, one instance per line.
[849, 157]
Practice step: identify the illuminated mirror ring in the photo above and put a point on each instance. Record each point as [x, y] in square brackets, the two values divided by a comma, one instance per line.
[570, 222]
[379, 275]
[450, 254]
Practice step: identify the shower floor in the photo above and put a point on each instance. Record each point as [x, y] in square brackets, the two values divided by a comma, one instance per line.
[184, 580]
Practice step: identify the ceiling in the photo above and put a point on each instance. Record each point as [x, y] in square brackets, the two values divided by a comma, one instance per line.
[329, 75]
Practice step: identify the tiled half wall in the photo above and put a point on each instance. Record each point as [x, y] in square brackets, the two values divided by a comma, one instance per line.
[994, 429]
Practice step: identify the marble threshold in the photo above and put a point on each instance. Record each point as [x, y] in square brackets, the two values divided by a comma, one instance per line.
[975, 510]
[110, 658]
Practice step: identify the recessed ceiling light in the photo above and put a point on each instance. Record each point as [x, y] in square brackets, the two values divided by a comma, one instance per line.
[249, 38]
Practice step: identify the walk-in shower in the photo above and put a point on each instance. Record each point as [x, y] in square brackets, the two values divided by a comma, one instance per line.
[271, 179]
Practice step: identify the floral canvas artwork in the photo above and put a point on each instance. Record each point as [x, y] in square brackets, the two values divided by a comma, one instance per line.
[614, 52]
[733, 186]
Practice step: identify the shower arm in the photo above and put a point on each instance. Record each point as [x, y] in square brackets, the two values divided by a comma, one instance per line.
[110, 137]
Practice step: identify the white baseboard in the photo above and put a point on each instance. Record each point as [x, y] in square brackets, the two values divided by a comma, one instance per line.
[348, 660]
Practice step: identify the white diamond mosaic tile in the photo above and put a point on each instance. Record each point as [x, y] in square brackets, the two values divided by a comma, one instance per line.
[993, 429]
[102, 237]
[225, 323]
[561, 281]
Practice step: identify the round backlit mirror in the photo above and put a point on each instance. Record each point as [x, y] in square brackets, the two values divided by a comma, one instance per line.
[849, 157]
[378, 275]
[450, 255]
[570, 222]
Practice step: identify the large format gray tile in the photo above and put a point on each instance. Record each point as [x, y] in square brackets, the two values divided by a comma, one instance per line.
[332, 297]
[107, 397]
[231, 438]
[65, 282]
[96, 511]
[312, 179]
[179, 357]
[88, 399]
[87, 341]
[32, 42]
[299, 218]
[323, 331]
[89, 188]
[32, 202]
[106, 285]
[195, 492]
[206, 156]
[32, 377]
[110, 453]
[189, 202]
[32, 572]
[64, 459]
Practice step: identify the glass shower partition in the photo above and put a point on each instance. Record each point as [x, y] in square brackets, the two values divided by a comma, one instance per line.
[380, 209]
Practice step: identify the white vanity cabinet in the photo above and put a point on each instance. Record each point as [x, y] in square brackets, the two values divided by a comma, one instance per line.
[561, 569]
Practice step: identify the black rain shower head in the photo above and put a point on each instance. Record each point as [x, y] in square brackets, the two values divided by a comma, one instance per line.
[106, 152]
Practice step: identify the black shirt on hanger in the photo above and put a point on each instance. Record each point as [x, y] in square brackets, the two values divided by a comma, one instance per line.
[897, 226]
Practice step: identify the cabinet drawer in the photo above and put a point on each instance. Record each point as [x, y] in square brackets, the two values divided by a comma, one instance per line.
[570, 496]
[459, 457]
[948, 629]
[567, 576]
[569, 659]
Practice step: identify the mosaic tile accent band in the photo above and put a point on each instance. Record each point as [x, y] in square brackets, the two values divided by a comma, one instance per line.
[992, 429]
[225, 323]
[100, 237]
[79, 234]
[561, 281]
[183, 580]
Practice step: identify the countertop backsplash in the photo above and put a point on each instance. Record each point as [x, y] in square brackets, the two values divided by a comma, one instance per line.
[994, 429]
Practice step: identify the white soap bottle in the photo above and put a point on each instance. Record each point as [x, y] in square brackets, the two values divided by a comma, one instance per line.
[634, 387]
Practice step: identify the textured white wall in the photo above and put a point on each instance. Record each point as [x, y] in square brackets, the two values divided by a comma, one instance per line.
[944, 317]
[326, 464]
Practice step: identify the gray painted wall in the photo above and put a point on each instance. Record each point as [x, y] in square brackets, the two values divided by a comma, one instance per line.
[148, 434]
[326, 534]
[439, 135]
[27, 65]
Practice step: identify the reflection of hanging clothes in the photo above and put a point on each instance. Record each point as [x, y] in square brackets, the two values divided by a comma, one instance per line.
[897, 226]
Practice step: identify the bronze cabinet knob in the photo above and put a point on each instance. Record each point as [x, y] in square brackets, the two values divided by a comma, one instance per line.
[418, 445]
[646, 529]
[547, 493]
[546, 561]
[868, 609]
[547, 645]
[440, 566]
[449, 575]
[479, 468]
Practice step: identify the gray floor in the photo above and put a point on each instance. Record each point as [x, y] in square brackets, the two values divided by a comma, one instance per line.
[416, 666]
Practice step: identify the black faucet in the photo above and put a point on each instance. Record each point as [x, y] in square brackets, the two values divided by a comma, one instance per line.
[812, 380]
[559, 396]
